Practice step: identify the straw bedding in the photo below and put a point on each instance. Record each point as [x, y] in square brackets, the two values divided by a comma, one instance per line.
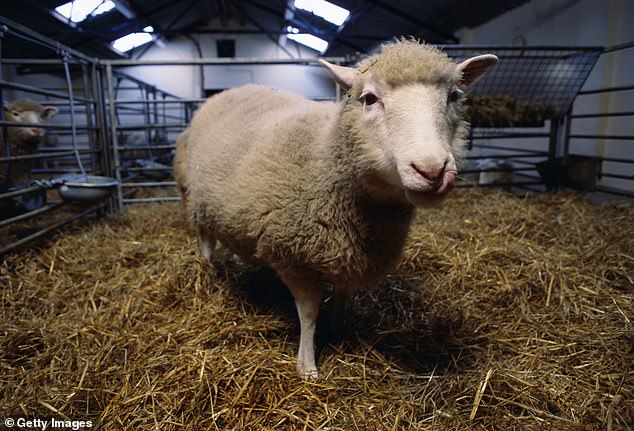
[505, 313]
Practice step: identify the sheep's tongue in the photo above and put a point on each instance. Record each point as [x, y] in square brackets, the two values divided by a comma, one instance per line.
[447, 181]
[433, 196]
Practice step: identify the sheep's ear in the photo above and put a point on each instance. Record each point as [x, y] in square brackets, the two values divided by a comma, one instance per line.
[474, 68]
[49, 111]
[341, 74]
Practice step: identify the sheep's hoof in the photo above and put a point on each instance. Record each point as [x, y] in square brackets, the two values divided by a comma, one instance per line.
[205, 251]
[307, 373]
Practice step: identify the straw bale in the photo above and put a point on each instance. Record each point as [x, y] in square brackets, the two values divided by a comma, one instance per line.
[505, 313]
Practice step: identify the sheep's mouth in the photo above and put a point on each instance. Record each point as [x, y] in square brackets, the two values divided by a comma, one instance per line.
[439, 185]
[433, 192]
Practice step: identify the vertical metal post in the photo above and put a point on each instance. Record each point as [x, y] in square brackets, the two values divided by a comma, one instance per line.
[568, 127]
[101, 132]
[154, 140]
[5, 149]
[89, 95]
[115, 142]
[148, 120]
[555, 139]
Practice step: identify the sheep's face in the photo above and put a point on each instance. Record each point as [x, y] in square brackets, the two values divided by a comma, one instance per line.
[411, 133]
[29, 113]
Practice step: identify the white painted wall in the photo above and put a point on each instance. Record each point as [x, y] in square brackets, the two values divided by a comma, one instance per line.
[185, 81]
[580, 23]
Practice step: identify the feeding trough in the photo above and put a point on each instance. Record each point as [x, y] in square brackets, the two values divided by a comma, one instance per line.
[22, 202]
[576, 171]
[79, 187]
[30, 201]
[153, 170]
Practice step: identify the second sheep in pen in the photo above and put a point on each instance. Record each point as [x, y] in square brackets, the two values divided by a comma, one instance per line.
[22, 140]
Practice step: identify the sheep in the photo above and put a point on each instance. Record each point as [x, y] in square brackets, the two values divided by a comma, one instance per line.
[323, 192]
[22, 140]
[180, 166]
[495, 172]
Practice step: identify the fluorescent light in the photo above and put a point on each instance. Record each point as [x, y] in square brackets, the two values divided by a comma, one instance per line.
[79, 10]
[328, 11]
[309, 40]
[133, 40]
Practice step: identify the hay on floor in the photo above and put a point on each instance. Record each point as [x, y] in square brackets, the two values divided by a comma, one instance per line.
[505, 313]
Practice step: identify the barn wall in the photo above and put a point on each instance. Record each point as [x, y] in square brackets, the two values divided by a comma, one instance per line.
[309, 81]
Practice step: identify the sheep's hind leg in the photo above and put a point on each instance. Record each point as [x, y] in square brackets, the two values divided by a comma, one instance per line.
[206, 244]
[307, 293]
[339, 298]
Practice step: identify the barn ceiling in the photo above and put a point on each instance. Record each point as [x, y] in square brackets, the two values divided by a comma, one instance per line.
[370, 22]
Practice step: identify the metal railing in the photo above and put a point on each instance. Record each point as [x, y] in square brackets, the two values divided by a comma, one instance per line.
[605, 168]
[158, 113]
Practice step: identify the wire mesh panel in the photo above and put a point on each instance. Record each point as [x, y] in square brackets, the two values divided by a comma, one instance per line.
[528, 85]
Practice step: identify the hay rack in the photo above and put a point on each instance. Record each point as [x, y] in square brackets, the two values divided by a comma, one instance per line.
[529, 85]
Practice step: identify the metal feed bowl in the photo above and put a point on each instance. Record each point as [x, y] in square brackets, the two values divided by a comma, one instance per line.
[86, 187]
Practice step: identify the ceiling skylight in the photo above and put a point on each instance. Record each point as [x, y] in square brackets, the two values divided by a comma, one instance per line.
[78, 10]
[307, 39]
[133, 40]
[328, 11]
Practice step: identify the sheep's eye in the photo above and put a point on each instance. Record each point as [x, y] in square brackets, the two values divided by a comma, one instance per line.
[15, 113]
[454, 95]
[370, 99]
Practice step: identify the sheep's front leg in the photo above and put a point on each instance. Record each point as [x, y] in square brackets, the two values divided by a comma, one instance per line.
[307, 293]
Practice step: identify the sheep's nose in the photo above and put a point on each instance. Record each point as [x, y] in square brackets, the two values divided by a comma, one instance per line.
[36, 132]
[432, 173]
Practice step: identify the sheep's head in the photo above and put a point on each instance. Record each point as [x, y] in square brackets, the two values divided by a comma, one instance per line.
[405, 110]
[27, 111]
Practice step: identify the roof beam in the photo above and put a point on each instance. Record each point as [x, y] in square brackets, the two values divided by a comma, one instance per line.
[261, 27]
[354, 15]
[408, 17]
[178, 17]
[124, 7]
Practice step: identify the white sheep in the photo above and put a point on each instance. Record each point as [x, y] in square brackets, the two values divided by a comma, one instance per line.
[495, 171]
[22, 140]
[325, 192]
[180, 166]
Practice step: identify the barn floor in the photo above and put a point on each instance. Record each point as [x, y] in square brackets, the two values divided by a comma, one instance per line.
[506, 313]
